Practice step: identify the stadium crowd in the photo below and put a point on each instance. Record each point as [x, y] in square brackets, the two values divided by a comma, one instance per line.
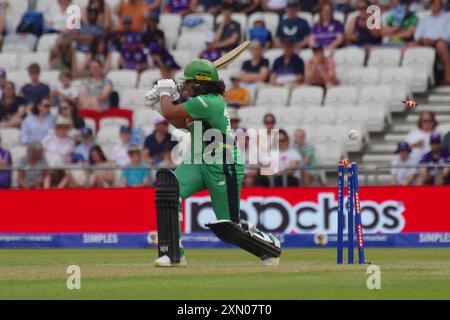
[52, 119]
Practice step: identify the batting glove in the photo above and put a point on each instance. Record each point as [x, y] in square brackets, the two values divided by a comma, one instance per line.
[166, 87]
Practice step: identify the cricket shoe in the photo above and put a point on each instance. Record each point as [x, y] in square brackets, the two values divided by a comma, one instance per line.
[164, 261]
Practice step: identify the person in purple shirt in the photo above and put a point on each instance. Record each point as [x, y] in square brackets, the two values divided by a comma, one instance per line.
[327, 32]
[435, 175]
[181, 7]
[5, 162]
[132, 53]
[210, 53]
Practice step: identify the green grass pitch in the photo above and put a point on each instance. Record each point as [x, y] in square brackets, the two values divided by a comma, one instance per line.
[222, 274]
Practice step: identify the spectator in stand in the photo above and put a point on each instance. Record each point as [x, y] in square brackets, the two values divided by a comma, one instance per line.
[320, 70]
[59, 142]
[135, 174]
[400, 25]
[3, 8]
[257, 68]
[237, 96]
[154, 7]
[137, 10]
[327, 32]
[308, 154]
[12, 107]
[2, 80]
[246, 6]
[120, 36]
[102, 176]
[35, 90]
[434, 31]
[89, 30]
[75, 176]
[181, 7]
[68, 110]
[62, 56]
[133, 56]
[34, 173]
[358, 33]
[210, 53]
[55, 16]
[99, 50]
[5, 163]
[120, 155]
[228, 31]
[104, 18]
[260, 33]
[86, 144]
[153, 36]
[95, 93]
[209, 6]
[289, 68]
[437, 155]
[403, 176]
[292, 27]
[234, 118]
[38, 124]
[289, 159]
[64, 90]
[276, 6]
[157, 142]
[312, 6]
[419, 138]
[267, 143]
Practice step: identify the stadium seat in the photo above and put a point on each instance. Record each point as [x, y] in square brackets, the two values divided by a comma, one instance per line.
[286, 116]
[10, 137]
[306, 16]
[108, 134]
[90, 123]
[123, 79]
[269, 96]
[170, 23]
[420, 58]
[46, 42]
[377, 99]
[108, 147]
[239, 17]
[8, 61]
[115, 59]
[306, 54]
[329, 151]
[19, 43]
[399, 79]
[341, 96]
[112, 122]
[144, 116]
[384, 58]
[322, 115]
[272, 54]
[349, 57]
[349, 19]
[306, 96]
[362, 76]
[51, 78]
[19, 78]
[184, 57]
[270, 19]
[194, 40]
[17, 153]
[54, 160]
[207, 25]
[40, 58]
[252, 116]
[148, 78]
[133, 99]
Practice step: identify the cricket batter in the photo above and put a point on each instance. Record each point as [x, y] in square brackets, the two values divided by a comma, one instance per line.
[205, 107]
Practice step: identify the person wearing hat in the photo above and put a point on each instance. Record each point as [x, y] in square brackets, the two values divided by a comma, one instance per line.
[213, 166]
[136, 10]
[120, 155]
[157, 142]
[210, 53]
[437, 155]
[135, 174]
[87, 142]
[399, 175]
[59, 142]
[320, 70]
[237, 96]
[293, 27]
[289, 68]
[228, 31]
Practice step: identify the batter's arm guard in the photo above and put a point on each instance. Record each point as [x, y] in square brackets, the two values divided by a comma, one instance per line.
[249, 238]
[167, 202]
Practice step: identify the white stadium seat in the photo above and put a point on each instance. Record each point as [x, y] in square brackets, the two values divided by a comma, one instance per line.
[207, 25]
[191, 41]
[377, 99]
[419, 58]
[123, 79]
[40, 58]
[268, 96]
[252, 116]
[144, 116]
[239, 17]
[115, 59]
[9, 137]
[349, 18]
[306, 96]
[108, 134]
[19, 43]
[322, 115]
[287, 116]
[46, 42]
[349, 57]
[384, 57]
[170, 23]
[305, 15]
[184, 57]
[341, 96]
[90, 123]
[148, 78]
[51, 78]
[19, 78]
[113, 122]
[133, 99]
[399, 79]
[306, 54]
[8, 61]
[362, 76]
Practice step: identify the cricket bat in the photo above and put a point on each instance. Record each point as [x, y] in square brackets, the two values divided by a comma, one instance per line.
[228, 58]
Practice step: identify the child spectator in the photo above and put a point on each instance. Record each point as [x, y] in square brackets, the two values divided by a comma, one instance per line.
[228, 32]
[136, 10]
[327, 33]
[135, 174]
[104, 18]
[320, 70]
[62, 56]
[33, 173]
[99, 50]
[59, 142]
[132, 53]
[89, 30]
[289, 68]
[64, 90]
[75, 176]
[86, 144]
[400, 25]
[120, 155]
[358, 33]
[237, 96]
[101, 176]
[403, 176]
[257, 68]
[5, 163]
[308, 154]
[95, 93]
[157, 142]
[68, 110]
[210, 53]
[435, 175]
[38, 124]
[292, 27]
[12, 107]
[35, 90]
[260, 33]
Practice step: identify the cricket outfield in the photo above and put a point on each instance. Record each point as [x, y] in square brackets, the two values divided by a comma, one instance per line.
[222, 274]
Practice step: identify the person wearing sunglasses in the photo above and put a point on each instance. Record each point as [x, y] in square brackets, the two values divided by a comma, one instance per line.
[419, 138]
[39, 123]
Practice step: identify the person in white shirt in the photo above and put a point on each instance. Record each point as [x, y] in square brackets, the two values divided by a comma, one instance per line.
[60, 143]
[288, 160]
[419, 138]
[55, 15]
[403, 176]
[120, 154]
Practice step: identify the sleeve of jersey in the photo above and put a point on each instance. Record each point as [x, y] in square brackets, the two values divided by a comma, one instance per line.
[197, 108]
